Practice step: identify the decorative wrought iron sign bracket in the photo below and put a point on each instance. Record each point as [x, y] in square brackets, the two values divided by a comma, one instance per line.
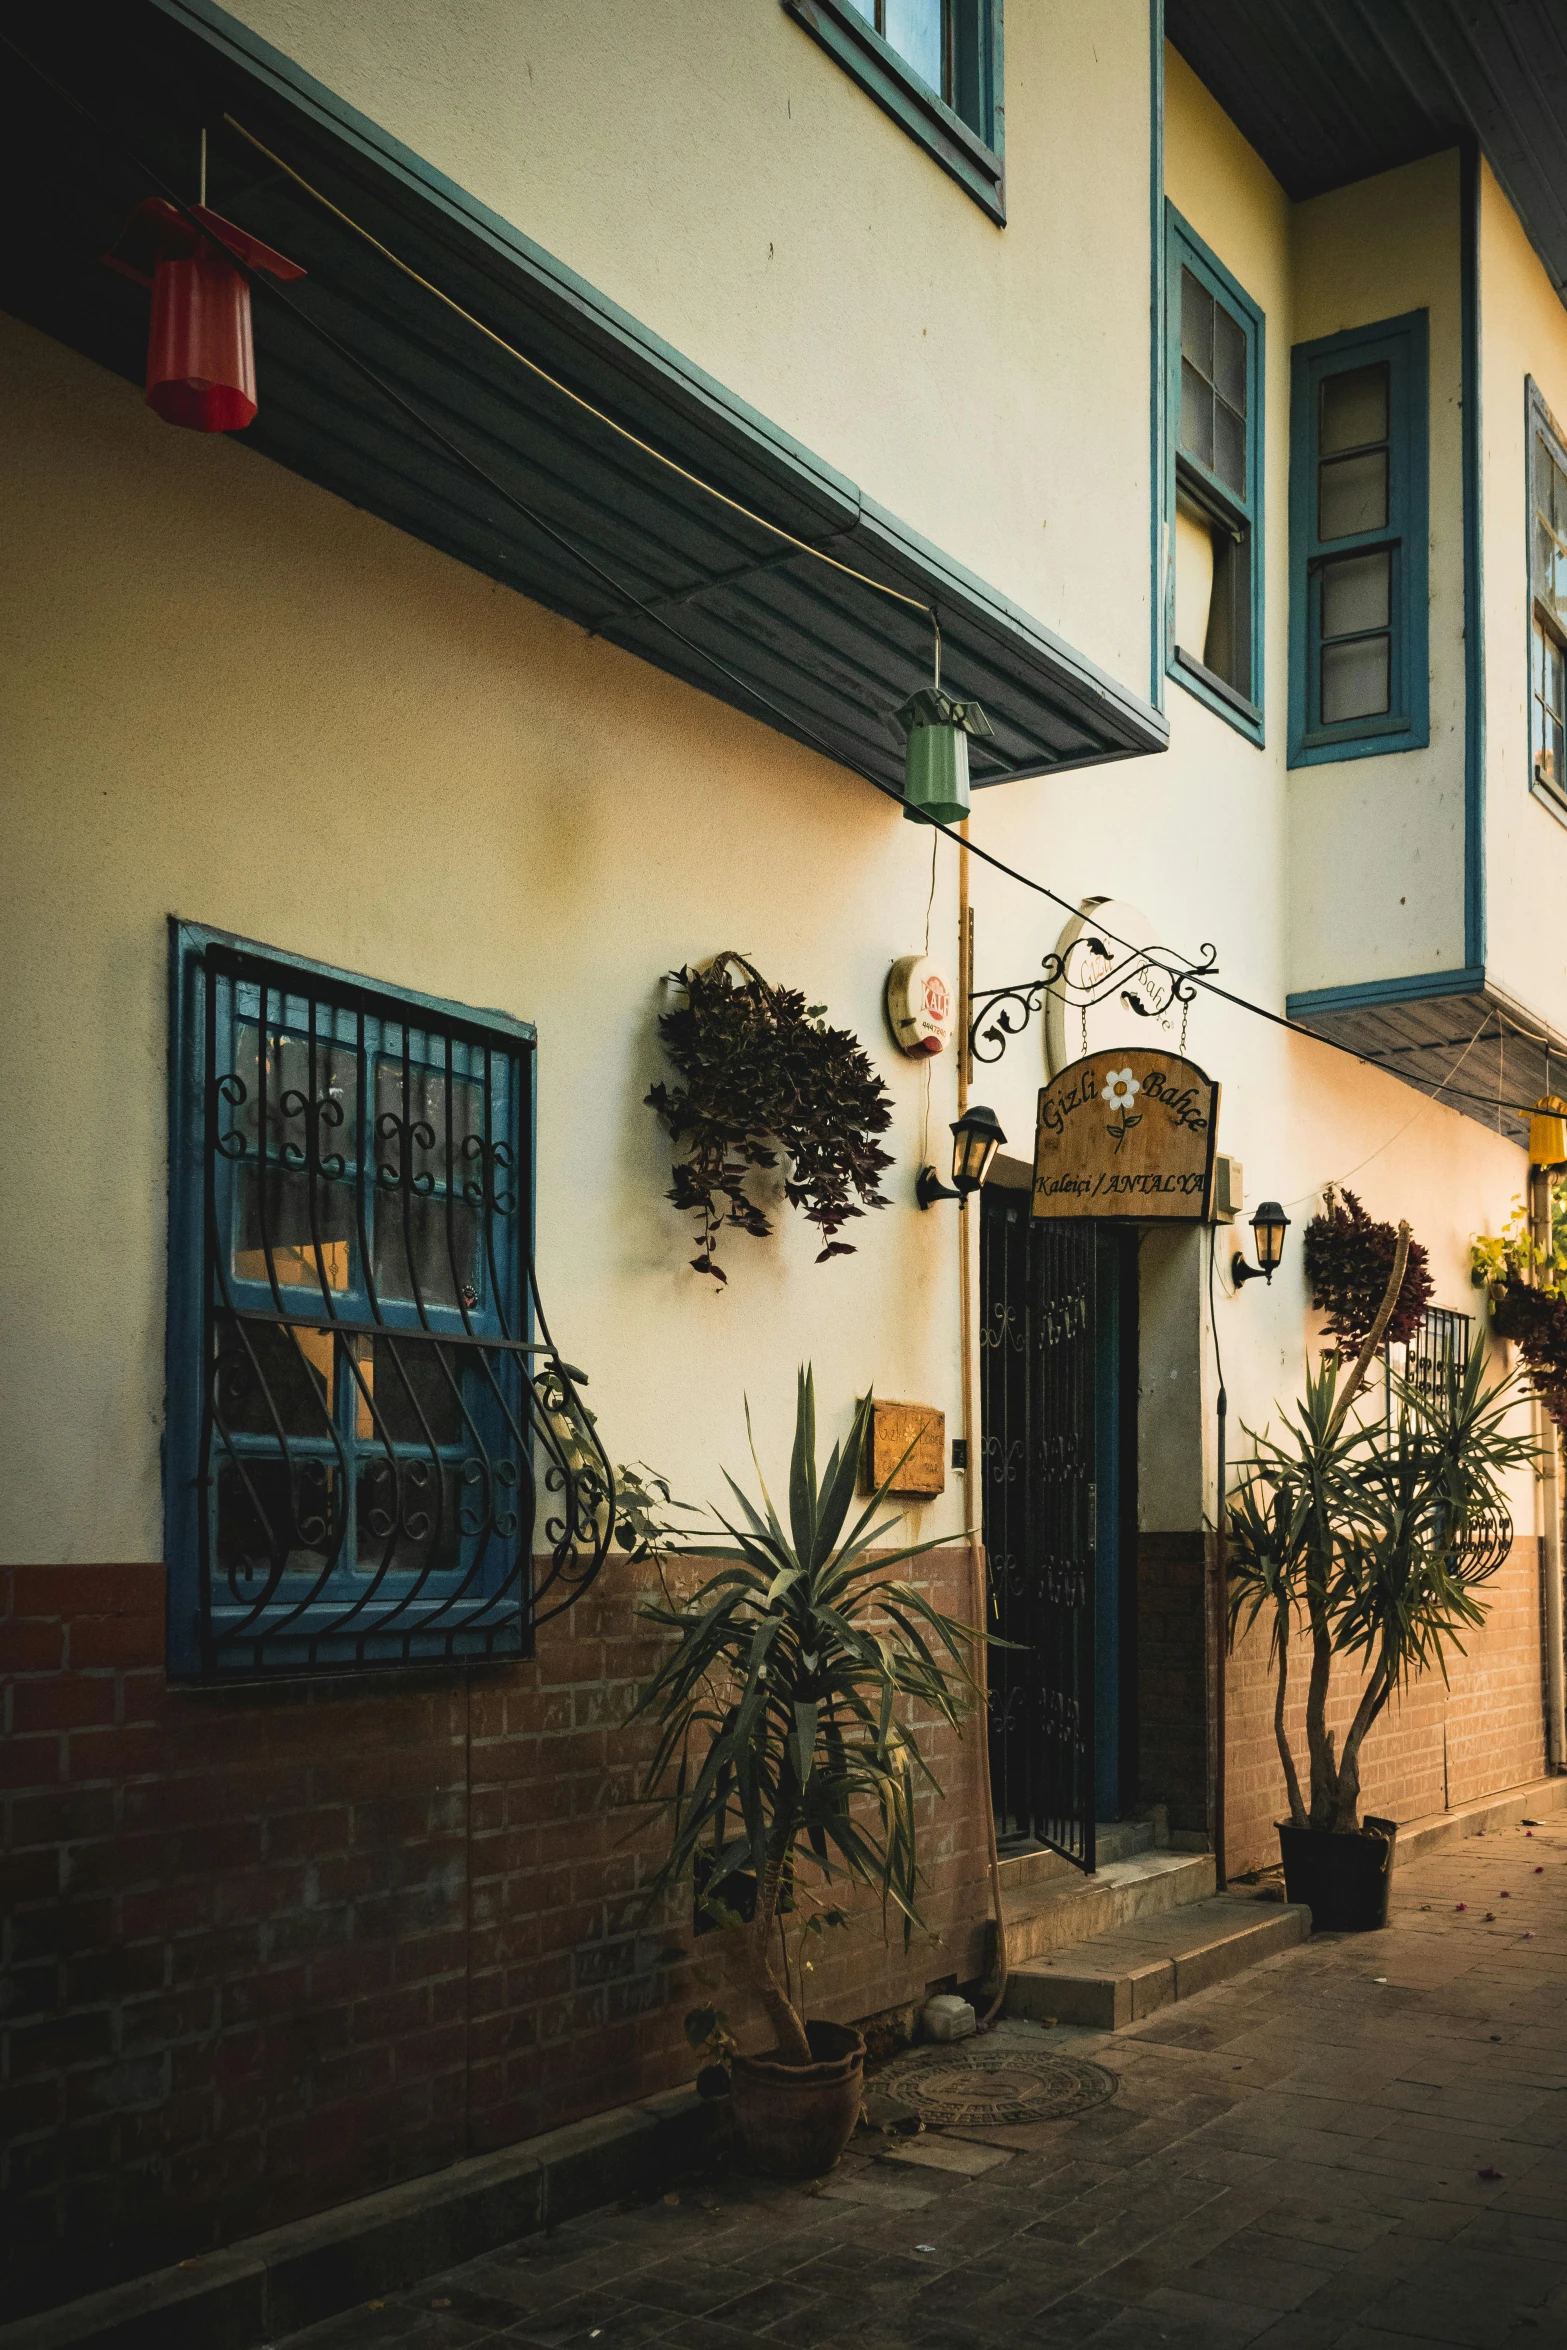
[1148, 980]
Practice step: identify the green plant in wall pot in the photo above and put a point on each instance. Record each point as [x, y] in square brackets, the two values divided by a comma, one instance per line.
[785, 1768]
[764, 1081]
[1373, 1536]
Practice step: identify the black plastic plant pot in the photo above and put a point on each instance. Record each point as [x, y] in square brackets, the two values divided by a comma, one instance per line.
[1343, 1880]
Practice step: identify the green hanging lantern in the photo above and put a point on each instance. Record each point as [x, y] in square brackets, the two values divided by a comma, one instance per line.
[935, 730]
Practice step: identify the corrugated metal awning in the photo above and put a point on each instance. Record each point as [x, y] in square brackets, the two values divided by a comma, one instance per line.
[709, 595]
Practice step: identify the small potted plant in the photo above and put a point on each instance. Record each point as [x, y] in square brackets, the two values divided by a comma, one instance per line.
[785, 1767]
[1374, 1533]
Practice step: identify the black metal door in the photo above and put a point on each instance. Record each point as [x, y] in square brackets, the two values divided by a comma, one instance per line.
[1037, 1398]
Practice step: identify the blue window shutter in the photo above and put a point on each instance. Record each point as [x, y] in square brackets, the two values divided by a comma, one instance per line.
[1400, 347]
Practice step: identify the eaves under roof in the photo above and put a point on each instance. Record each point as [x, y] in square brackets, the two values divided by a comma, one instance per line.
[1331, 91]
[712, 597]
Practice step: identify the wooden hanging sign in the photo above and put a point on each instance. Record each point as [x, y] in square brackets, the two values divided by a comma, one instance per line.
[1127, 1133]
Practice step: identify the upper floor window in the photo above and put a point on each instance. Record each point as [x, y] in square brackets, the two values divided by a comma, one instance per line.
[1547, 601]
[361, 1419]
[1215, 361]
[935, 67]
[1358, 603]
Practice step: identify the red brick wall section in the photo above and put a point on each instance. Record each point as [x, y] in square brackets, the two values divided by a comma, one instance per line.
[268, 1950]
[1441, 1745]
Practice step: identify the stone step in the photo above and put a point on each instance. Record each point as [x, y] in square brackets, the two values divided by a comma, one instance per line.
[1121, 1977]
[1079, 1909]
[1113, 1840]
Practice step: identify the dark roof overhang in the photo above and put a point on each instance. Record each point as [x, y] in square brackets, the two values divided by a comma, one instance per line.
[1331, 91]
[709, 595]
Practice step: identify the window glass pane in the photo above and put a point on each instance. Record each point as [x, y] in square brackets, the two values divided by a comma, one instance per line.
[269, 1509]
[1196, 324]
[1355, 594]
[913, 28]
[408, 1516]
[417, 1258]
[1229, 446]
[1558, 497]
[1193, 578]
[1196, 415]
[291, 1213]
[269, 1379]
[1352, 495]
[1355, 679]
[1229, 358]
[426, 1233]
[415, 1389]
[1354, 409]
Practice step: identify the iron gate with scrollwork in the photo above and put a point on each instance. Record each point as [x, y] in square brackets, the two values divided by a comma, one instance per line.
[1037, 1339]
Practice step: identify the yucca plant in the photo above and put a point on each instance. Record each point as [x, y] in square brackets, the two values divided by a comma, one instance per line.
[1378, 1536]
[785, 1761]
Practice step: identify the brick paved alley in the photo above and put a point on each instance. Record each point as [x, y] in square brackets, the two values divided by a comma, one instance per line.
[1307, 2156]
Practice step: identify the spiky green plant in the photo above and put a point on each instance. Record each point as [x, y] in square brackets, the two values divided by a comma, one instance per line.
[1379, 1536]
[784, 1744]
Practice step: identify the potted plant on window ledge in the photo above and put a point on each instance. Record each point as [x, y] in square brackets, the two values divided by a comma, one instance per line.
[1376, 1532]
[785, 1767]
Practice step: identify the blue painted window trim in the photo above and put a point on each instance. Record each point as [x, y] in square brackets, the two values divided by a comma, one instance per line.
[1538, 419]
[1185, 249]
[971, 154]
[1403, 343]
[185, 1372]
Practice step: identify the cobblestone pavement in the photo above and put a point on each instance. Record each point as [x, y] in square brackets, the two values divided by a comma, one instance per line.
[1361, 2143]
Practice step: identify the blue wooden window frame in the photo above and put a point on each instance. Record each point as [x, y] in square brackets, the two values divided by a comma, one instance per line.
[1547, 610]
[1402, 345]
[444, 1578]
[1241, 708]
[961, 129]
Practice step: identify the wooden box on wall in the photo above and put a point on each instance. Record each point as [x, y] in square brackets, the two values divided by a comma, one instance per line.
[915, 1429]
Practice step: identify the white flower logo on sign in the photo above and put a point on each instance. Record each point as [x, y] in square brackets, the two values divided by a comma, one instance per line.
[1120, 1089]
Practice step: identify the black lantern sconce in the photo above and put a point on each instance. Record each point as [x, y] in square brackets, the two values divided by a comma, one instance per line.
[976, 1138]
[1270, 1225]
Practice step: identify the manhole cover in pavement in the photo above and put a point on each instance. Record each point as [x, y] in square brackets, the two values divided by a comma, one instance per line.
[982, 2087]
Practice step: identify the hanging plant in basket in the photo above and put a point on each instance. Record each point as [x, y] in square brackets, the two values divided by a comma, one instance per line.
[763, 1079]
[1528, 1305]
[1348, 1258]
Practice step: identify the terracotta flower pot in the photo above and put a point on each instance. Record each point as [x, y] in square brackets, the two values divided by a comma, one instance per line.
[1343, 1880]
[795, 2120]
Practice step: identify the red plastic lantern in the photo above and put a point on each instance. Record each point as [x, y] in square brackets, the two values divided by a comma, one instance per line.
[201, 361]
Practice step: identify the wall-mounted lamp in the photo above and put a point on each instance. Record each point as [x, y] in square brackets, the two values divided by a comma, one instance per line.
[976, 1138]
[1270, 1225]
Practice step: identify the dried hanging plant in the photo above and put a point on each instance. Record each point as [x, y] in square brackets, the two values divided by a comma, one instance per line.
[764, 1078]
[1348, 1258]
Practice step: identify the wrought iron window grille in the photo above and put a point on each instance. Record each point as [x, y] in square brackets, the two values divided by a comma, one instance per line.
[1150, 981]
[1435, 1359]
[369, 1418]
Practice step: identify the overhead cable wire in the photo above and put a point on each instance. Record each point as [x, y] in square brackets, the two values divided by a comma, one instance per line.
[790, 722]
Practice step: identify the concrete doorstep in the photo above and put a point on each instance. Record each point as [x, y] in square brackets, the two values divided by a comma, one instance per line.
[293, 2276]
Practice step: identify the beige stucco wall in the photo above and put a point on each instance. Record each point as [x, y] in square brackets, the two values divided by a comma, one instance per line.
[710, 167]
[1523, 332]
[1377, 844]
[230, 696]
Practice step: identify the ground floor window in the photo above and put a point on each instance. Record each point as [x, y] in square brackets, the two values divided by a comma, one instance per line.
[356, 1391]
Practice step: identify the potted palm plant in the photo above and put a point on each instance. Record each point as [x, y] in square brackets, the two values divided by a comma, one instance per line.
[785, 1767]
[1375, 1532]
